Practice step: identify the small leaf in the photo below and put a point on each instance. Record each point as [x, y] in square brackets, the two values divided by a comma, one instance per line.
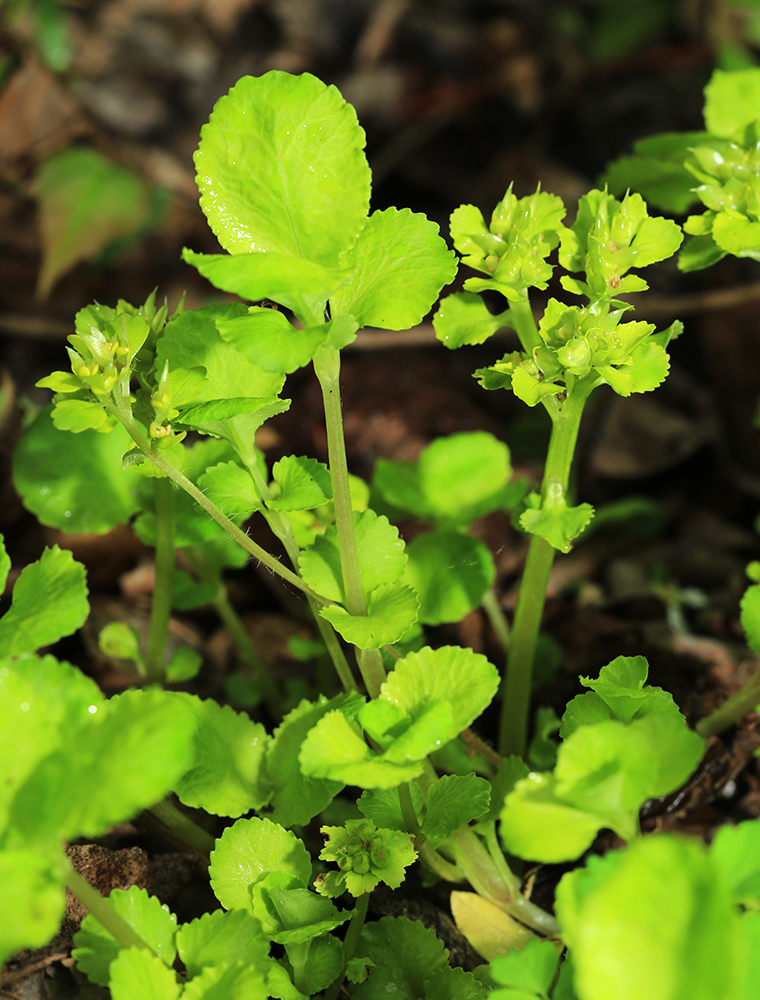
[750, 616]
[452, 802]
[183, 665]
[450, 572]
[281, 168]
[463, 318]
[49, 602]
[334, 750]
[400, 265]
[304, 484]
[296, 798]
[381, 557]
[221, 938]
[121, 641]
[391, 611]
[5, 564]
[236, 981]
[531, 968]
[268, 339]
[249, 850]
[451, 673]
[226, 777]
[383, 807]
[231, 488]
[555, 521]
[78, 415]
[95, 948]
[292, 914]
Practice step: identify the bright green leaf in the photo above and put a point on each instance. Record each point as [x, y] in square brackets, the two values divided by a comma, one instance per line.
[296, 797]
[220, 938]
[530, 970]
[281, 168]
[79, 415]
[226, 777]
[450, 573]
[304, 483]
[463, 318]
[95, 948]
[49, 602]
[237, 981]
[453, 801]
[268, 339]
[555, 521]
[31, 889]
[391, 611]
[750, 616]
[383, 807]
[135, 974]
[735, 853]
[247, 851]
[731, 100]
[454, 674]
[401, 263]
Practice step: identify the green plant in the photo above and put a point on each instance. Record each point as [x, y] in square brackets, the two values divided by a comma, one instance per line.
[285, 186]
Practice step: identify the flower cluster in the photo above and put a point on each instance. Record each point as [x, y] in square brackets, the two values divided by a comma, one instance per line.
[365, 856]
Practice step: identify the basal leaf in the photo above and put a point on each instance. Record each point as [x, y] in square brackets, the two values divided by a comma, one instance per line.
[531, 969]
[403, 953]
[621, 686]
[463, 475]
[334, 750]
[281, 168]
[296, 797]
[220, 938]
[391, 611]
[661, 895]
[43, 701]
[381, 557]
[226, 777]
[49, 602]
[304, 483]
[323, 963]
[400, 264]
[249, 850]
[450, 572]
[298, 284]
[454, 674]
[453, 801]
[537, 825]
[87, 204]
[463, 319]
[138, 745]
[31, 889]
[135, 974]
[293, 915]
[231, 488]
[95, 948]
[736, 856]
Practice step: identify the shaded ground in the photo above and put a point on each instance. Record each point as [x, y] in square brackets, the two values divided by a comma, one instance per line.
[459, 99]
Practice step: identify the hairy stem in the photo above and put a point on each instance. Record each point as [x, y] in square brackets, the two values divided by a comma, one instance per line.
[158, 632]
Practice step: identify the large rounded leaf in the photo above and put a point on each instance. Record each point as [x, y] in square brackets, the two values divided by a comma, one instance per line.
[281, 168]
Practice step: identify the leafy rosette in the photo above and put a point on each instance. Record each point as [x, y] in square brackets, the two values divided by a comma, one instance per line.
[365, 856]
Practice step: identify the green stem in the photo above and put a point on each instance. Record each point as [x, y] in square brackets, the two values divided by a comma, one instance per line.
[521, 318]
[103, 912]
[497, 618]
[350, 943]
[179, 479]
[327, 370]
[282, 528]
[516, 686]
[158, 632]
[734, 708]
[182, 828]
